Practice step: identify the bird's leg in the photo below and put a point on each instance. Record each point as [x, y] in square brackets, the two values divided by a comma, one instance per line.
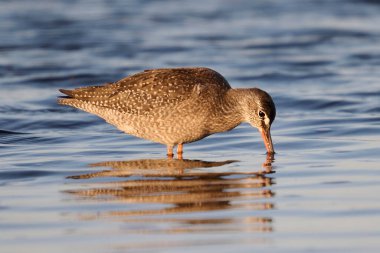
[180, 150]
[169, 151]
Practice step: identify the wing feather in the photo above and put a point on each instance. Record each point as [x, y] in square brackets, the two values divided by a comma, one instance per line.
[145, 91]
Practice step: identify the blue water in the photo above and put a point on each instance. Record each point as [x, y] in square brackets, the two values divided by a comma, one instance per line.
[69, 182]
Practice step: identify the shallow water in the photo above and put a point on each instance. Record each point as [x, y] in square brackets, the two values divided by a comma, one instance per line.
[70, 182]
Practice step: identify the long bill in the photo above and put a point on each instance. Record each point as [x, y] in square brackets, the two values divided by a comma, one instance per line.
[267, 138]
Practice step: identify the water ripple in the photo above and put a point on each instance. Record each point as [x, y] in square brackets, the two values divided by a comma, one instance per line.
[22, 174]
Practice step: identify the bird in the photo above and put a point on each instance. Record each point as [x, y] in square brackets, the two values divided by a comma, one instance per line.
[176, 106]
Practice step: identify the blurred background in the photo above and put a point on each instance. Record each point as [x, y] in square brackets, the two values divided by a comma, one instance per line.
[69, 181]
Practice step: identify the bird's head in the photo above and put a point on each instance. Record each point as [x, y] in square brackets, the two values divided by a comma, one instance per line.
[260, 111]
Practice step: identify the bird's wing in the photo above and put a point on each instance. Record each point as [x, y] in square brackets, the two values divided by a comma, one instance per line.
[151, 89]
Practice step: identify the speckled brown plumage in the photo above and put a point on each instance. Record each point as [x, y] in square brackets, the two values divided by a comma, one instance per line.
[174, 106]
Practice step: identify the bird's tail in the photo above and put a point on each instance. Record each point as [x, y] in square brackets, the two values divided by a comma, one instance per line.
[69, 93]
[65, 100]
[68, 99]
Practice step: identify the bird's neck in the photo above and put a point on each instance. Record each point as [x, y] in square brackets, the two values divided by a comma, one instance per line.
[241, 98]
[229, 113]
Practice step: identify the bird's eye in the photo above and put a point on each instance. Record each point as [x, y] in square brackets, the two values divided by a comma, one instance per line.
[261, 114]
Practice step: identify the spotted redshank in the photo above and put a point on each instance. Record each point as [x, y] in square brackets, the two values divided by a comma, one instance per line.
[175, 106]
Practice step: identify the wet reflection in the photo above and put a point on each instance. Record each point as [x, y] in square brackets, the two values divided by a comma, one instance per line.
[149, 167]
[181, 194]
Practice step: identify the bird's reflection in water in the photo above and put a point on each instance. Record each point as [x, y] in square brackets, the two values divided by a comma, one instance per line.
[182, 193]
